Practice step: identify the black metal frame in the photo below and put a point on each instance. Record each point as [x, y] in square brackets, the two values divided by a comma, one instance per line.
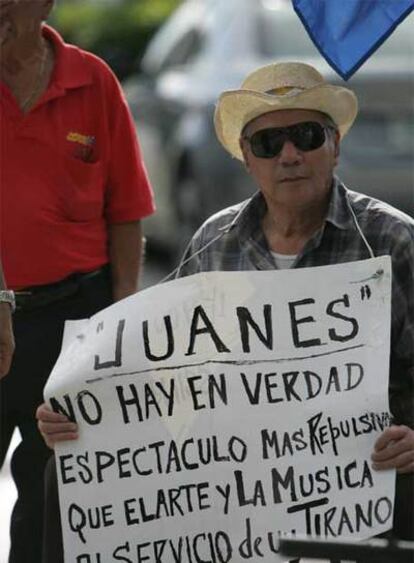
[371, 551]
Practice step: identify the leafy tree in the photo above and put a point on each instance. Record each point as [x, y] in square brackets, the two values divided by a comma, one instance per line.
[116, 32]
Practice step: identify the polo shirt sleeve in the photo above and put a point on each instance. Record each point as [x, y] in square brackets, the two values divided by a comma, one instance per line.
[129, 196]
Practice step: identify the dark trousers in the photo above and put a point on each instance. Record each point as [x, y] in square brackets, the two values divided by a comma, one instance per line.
[52, 532]
[38, 334]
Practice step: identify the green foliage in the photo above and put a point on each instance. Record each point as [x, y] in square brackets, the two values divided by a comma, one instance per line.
[116, 32]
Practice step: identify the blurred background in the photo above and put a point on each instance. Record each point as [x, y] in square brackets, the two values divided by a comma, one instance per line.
[174, 57]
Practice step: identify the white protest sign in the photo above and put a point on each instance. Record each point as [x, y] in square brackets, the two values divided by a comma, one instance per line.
[223, 410]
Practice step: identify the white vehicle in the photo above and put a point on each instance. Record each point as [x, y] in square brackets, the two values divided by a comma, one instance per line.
[210, 45]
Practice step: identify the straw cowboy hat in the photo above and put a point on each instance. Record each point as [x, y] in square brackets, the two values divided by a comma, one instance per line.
[280, 86]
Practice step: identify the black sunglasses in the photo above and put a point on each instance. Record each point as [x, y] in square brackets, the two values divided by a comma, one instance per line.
[306, 136]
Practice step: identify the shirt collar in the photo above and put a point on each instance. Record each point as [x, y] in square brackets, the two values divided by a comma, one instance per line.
[250, 217]
[338, 211]
[71, 68]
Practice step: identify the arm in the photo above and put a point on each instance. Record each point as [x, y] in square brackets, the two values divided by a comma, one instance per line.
[125, 251]
[394, 449]
[128, 195]
[6, 333]
[401, 385]
[125, 254]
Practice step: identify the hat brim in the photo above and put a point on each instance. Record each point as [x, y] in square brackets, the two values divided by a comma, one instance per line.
[236, 108]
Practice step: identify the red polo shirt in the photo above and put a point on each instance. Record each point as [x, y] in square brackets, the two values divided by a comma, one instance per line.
[68, 168]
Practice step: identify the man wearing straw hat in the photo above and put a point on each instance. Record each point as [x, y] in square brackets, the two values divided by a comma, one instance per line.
[285, 123]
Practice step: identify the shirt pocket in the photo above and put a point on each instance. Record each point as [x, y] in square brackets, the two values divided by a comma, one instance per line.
[83, 193]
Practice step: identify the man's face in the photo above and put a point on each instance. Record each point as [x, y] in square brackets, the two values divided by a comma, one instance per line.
[294, 178]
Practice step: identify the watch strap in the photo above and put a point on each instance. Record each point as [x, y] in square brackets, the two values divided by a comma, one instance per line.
[7, 296]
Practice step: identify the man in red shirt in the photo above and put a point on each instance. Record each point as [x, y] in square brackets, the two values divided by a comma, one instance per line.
[73, 191]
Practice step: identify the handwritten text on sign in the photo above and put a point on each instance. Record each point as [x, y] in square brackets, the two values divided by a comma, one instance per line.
[223, 410]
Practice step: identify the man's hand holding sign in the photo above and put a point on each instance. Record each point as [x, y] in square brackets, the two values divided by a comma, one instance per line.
[394, 449]
[55, 427]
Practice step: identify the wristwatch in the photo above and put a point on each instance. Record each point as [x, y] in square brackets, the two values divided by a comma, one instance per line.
[7, 296]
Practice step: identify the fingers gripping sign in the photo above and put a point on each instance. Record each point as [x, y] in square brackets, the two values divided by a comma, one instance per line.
[394, 449]
[55, 427]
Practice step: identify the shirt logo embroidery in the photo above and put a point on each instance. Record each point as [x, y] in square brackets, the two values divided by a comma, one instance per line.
[84, 148]
[87, 140]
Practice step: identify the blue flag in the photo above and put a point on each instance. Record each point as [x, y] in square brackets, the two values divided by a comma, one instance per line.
[347, 32]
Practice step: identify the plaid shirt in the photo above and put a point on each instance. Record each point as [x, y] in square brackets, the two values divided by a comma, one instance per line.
[232, 239]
